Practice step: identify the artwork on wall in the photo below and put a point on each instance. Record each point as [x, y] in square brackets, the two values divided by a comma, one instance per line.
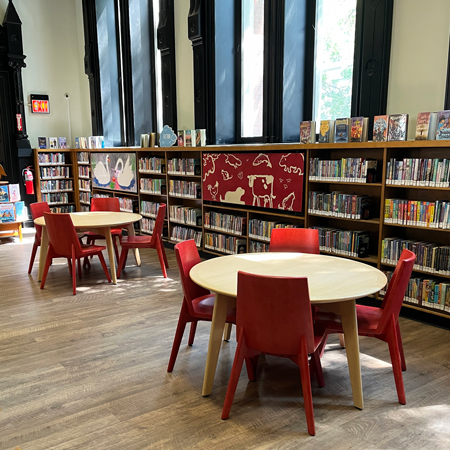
[114, 171]
[272, 180]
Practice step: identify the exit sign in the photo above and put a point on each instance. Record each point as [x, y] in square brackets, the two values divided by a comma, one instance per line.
[40, 104]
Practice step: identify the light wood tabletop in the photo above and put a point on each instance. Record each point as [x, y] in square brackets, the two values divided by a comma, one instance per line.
[334, 283]
[100, 222]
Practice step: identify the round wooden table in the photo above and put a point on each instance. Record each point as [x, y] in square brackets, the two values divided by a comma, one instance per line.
[334, 283]
[100, 222]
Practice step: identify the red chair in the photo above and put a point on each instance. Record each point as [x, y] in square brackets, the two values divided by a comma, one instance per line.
[291, 335]
[198, 303]
[301, 240]
[37, 210]
[105, 204]
[382, 322]
[64, 243]
[153, 241]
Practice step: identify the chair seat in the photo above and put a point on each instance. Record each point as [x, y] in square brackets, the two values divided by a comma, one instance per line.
[204, 306]
[87, 250]
[91, 234]
[136, 241]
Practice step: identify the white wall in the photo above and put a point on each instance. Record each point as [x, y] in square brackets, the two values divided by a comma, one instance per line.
[53, 42]
[419, 55]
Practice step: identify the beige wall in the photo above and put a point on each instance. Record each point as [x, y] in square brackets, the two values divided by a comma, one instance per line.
[419, 54]
[53, 42]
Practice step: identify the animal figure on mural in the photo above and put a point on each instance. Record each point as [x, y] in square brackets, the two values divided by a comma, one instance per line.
[101, 172]
[124, 176]
[262, 159]
[209, 165]
[233, 160]
[289, 163]
[262, 190]
[213, 190]
[234, 196]
[288, 202]
[226, 176]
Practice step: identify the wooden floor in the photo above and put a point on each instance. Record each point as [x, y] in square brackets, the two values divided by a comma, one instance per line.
[89, 372]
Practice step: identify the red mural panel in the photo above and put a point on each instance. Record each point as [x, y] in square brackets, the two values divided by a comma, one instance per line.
[269, 180]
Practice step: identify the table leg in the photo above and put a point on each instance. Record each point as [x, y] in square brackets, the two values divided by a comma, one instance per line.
[43, 253]
[20, 232]
[221, 306]
[227, 332]
[137, 256]
[350, 327]
[109, 246]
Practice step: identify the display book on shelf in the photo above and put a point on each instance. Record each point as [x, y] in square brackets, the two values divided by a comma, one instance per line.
[12, 210]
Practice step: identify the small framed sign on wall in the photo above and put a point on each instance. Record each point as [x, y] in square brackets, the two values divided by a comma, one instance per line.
[40, 104]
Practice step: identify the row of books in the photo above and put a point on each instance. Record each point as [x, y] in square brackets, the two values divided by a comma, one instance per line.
[192, 138]
[186, 215]
[417, 213]
[337, 204]
[149, 209]
[344, 242]
[13, 212]
[51, 158]
[56, 185]
[84, 185]
[353, 129]
[52, 142]
[429, 257]
[187, 189]
[85, 197]
[418, 172]
[225, 222]
[153, 185]
[56, 197]
[63, 209]
[180, 234]
[147, 225]
[225, 244]
[153, 164]
[183, 166]
[10, 193]
[262, 229]
[356, 170]
[126, 204]
[91, 142]
[54, 172]
[83, 157]
[427, 292]
[83, 171]
[258, 247]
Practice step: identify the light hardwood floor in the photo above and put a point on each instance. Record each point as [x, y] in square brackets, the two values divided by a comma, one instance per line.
[89, 372]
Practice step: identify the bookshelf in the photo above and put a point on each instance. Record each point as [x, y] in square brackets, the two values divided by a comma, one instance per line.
[84, 180]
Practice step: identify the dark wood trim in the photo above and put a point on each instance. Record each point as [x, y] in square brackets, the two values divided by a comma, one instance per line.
[310, 39]
[153, 69]
[238, 70]
[447, 84]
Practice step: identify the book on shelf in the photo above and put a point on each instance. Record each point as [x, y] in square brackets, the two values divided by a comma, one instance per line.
[83, 142]
[200, 137]
[62, 142]
[180, 138]
[443, 126]
[188, 141]
[7, 212]
[240, 246]
[307, 132]
[42, 142]
[4, 193]
[341, 127]
[326, 132]
[92, 142]
[53, 142]
[77, 142]
[380, 128]
[20, 211]
[426, 126]
[398, 127]
[14, 192]
[359, 130]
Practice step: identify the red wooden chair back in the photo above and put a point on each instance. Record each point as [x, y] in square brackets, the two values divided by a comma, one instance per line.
[61, 234]
[37, 210]
[393, 299]
[159, 224]
[105, 204]
[302, 240]
[274, 312]
[187, 257]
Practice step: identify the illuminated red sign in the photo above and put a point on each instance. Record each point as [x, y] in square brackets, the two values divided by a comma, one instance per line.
[40, 106]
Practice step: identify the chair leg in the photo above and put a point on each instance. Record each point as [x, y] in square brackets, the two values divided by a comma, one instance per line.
[227, 332]
[86, 262]
[182, 320]
[341, 340]
[122, 261]
[317, 368]
[251, 363]
[192, 332]
[74, 272]
[239, 357]
[161, 258]
[69, 264]
[105, 269]
[322, 346]
[33, 255]
[400, 347]
[48, 262]
[116, 250]
[306, 386]
[164, 253]
[79, 267]
[392, 340]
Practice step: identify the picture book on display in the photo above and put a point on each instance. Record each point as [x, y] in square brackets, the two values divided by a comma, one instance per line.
[181, 138]
[7, 212]
[53, 142]
[77, 142]
[359, 129]
[380, 128]
[4, 194]
[14, 192]
[62, 142]
[398, 127]
[443, 126]
[42, 142]
[21, 215]
[341, 127]
[307, 132]
[326, 133]
[426, 126]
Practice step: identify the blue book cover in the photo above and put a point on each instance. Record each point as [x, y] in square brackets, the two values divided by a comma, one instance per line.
[443, 128]
[4, 194]
[341, 130]
[7, 212]
[20, 211]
